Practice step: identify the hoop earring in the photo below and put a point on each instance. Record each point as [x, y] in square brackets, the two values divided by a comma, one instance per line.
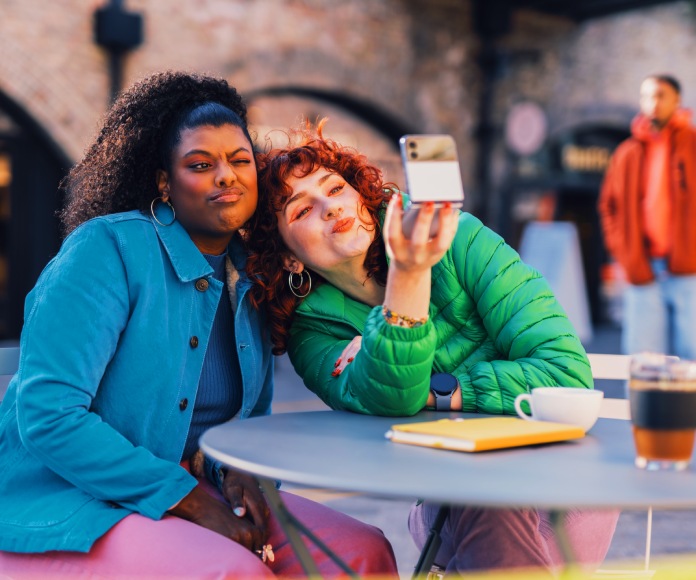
[154, 217]
[295, 287]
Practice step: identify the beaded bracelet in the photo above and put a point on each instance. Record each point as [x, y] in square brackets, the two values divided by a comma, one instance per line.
[402, 320]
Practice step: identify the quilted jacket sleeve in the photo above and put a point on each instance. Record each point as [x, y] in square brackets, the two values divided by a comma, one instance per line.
[536, 342]
[367, 385]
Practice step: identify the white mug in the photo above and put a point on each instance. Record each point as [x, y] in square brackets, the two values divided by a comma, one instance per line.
[571, 405]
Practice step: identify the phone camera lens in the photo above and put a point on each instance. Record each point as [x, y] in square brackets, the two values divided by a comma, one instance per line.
[412, 144]
[414, 155]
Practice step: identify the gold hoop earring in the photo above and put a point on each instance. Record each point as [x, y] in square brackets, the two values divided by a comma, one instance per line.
[152, 211]
[295, 287]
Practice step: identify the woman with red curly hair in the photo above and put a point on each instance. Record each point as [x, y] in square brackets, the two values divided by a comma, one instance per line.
[367, 316]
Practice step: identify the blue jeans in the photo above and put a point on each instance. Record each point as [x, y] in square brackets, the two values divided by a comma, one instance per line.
[661, 316]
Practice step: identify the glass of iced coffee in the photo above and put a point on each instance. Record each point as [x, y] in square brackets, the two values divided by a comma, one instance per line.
[662, 393]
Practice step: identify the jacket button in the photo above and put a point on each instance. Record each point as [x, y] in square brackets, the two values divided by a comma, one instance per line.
[183, 404]
[194, 342]
[201, 284]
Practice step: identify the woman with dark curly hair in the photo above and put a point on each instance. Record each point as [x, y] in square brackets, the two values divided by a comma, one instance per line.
[139, 335]
[366, 333]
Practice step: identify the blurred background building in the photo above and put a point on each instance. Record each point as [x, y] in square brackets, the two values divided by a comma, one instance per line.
[537, 93]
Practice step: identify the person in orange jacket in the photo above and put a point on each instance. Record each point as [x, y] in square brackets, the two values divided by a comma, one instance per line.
[647, 208]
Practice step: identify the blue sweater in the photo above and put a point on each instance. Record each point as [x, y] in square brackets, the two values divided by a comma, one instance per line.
[219, 394]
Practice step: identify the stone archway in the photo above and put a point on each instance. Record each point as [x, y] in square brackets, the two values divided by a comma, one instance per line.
[353, 121]
[31, 167]
[60, 108]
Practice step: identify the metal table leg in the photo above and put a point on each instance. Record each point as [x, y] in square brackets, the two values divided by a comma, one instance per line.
[293, 528]
[557, 518]
[432, 544]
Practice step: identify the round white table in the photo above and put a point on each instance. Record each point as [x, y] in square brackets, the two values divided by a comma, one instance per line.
[346, 451]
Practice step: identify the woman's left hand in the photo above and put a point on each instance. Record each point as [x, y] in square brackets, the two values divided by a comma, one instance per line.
[347, 355]
[246, 499]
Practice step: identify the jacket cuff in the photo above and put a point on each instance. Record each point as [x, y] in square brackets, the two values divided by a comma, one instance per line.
[169, 495]
[395, 332]
[214, 472]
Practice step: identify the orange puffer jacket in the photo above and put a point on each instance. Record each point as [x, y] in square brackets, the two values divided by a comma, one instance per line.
[621, 204]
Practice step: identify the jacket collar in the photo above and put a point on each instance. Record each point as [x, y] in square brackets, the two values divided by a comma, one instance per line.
[642, 129]
[187, 260]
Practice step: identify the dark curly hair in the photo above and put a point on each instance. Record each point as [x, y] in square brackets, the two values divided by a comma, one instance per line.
[266, 247]
[138, 135]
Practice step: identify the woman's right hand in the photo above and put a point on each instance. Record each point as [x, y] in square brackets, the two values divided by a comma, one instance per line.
[419, 251]
[411, 259]
[203, 509]
[246, 500]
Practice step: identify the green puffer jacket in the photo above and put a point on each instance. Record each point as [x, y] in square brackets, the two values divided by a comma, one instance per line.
[494, 324]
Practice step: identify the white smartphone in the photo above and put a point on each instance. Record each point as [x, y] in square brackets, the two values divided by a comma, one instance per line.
[432, 173]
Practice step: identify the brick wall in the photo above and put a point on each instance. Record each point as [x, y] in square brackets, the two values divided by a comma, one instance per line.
[413, 59]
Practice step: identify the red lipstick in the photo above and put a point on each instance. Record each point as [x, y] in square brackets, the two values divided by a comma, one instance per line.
[343, 225]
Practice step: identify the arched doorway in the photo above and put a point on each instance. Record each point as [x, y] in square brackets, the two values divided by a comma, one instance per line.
[31, 167]
[565, 186]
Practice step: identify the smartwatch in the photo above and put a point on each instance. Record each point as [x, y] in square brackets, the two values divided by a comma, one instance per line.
[442, 386]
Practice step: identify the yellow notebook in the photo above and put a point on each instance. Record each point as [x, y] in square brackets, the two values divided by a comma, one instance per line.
[482, 434]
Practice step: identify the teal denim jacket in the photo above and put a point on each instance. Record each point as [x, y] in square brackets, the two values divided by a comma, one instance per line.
[93, 425]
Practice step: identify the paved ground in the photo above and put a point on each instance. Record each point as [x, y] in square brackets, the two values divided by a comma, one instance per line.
[673, 532]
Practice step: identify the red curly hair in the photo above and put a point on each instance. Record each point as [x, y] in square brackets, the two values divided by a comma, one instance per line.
[306, 152]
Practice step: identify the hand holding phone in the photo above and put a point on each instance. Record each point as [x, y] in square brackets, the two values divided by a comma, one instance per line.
[432, 173]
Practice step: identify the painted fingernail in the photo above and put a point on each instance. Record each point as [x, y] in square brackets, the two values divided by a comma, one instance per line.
[338, 362]
[239, 511]
[335, 373]
[350, 359]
